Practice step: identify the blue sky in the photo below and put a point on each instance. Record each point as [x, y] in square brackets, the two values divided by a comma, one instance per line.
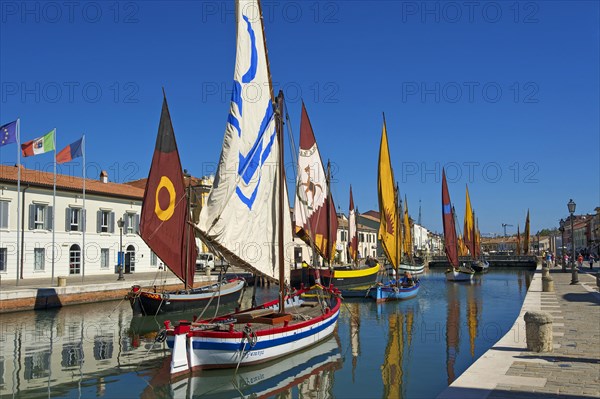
[504, 94]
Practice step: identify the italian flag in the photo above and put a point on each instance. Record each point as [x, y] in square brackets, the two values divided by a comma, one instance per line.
[39, 145]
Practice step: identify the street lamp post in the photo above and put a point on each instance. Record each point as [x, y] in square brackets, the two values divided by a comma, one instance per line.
[562, 243]
[574, 276]
[120, 224]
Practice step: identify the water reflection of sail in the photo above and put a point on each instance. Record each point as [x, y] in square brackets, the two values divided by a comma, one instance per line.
[391, 370]
[354, 338]
[452, 332]
[473, 312]
[310, 370]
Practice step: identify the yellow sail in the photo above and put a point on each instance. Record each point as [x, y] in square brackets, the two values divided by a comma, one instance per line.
[462, 248]
[468, 231]
[407, 232]
[526, 238]
[389, 231]
[477, 240]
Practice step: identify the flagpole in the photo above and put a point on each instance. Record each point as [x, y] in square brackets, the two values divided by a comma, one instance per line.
[53, 204]
[18, 193]
[84, 216]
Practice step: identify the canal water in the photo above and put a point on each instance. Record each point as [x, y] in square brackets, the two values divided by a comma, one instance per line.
[408, 349]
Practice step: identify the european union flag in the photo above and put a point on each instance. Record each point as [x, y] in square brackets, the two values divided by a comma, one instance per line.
[8, 133]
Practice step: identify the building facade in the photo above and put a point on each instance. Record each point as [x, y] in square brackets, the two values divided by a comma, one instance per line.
[60, 235]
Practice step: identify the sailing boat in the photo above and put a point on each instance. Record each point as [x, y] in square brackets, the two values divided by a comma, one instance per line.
[316, 218]
[390, 229]
[247, 220]
[478, 264]
[165, 228]
[409, 263]
[455, 273]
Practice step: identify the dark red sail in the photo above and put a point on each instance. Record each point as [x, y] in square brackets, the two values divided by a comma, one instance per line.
[164, 221]
[450, 241]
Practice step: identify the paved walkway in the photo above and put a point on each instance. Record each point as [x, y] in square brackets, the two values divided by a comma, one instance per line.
[572, 370]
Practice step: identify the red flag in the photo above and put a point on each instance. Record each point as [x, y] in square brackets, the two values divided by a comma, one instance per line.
[164, 221]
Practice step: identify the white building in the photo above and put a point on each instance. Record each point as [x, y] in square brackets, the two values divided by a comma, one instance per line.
[367, 240]
[64, 222]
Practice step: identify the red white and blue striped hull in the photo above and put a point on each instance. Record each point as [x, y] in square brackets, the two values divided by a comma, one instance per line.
[234, 343]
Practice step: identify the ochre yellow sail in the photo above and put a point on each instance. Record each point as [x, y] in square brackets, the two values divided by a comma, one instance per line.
[407, 232]
[468, 231]
[389, 231]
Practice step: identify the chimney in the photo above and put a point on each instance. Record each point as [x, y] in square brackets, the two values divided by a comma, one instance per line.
[104, 176]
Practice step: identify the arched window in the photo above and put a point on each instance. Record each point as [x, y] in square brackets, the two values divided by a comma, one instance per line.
[75, 259]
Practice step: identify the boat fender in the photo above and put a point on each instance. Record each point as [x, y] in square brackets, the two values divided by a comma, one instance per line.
[161, 336]
[165, 297]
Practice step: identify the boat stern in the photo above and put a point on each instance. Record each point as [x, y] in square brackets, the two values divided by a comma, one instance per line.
[179, 353]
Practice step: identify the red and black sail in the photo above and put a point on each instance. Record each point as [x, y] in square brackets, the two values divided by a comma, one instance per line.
[165, 213]
[450, 240]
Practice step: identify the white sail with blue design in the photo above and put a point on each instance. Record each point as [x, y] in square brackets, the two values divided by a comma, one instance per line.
[240, 218]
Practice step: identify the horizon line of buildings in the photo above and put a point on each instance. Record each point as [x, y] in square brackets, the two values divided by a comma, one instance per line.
[89, 237]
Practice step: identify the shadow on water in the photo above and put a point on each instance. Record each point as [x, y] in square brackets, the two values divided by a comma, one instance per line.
[502, 394]
[584, 297]
[46, 298]
[558, 359]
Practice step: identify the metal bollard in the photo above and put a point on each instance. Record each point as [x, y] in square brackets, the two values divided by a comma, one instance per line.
[547, 284]
[538, 331]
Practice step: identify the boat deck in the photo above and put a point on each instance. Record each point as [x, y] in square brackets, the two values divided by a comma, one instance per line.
[265, 319]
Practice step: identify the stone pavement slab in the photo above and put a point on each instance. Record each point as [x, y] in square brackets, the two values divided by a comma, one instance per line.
[571, 370]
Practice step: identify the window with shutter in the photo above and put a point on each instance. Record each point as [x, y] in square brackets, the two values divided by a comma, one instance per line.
[99, 222]
[111, 222]
[3, 214]
[68, 219]
[31, 217]
[104, 221]
[3, 266]
[130, 224]
[49, 217]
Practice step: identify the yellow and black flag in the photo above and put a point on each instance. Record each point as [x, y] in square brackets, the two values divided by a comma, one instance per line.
[164, 221]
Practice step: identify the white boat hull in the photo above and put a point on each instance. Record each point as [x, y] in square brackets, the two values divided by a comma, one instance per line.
[412, 269]
[194, 348]
[459, 275]
[225, 353]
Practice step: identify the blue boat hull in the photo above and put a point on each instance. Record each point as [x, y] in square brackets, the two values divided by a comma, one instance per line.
[390, 292]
